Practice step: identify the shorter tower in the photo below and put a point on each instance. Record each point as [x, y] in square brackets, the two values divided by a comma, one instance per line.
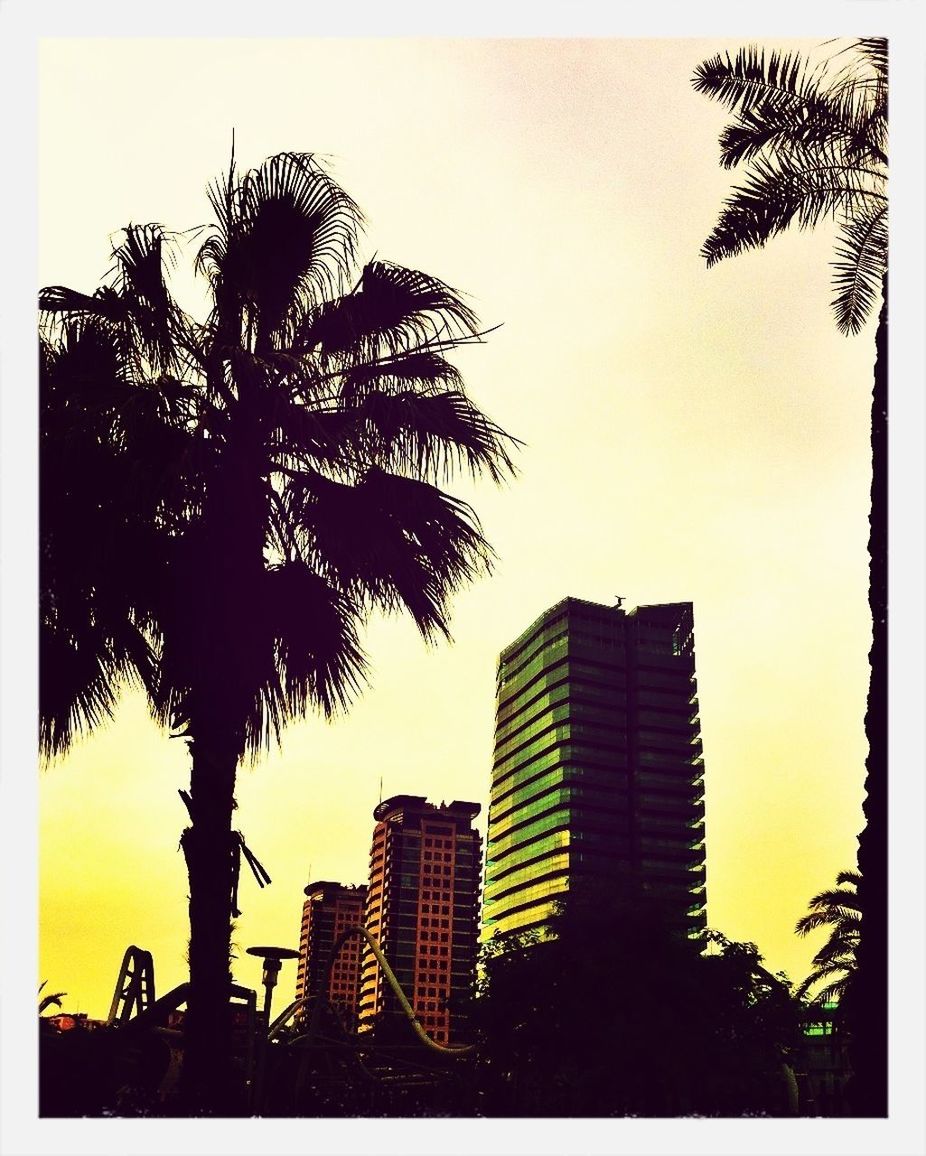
[422, 901]
[328, 910]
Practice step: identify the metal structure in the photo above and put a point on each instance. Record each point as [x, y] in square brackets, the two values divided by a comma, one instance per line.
[134, 992]
[321, 1001]
[136, 1013]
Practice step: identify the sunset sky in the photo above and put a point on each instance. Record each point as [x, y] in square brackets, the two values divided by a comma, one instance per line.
[689, 435]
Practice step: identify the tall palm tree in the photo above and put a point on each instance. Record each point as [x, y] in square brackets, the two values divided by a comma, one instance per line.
[813, 141]
[836, 963]
[224, 502]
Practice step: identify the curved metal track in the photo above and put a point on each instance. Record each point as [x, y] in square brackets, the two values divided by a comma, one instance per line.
[349, 933]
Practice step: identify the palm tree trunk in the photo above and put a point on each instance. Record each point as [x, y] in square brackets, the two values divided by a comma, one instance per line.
[868, 1050]
[208, 848]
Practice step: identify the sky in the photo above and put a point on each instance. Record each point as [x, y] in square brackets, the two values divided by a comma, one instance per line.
[688, 435]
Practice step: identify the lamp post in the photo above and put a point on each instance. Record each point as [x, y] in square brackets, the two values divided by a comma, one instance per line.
[273, 959]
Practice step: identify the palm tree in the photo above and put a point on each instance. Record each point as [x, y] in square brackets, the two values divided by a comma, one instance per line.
[224, 502]
[835, 964]
[47, 1001]
[813, 141]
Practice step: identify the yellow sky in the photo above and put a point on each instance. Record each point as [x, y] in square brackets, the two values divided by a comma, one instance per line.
[690, 435]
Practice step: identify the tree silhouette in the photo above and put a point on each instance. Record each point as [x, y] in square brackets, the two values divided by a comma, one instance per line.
[223, 502]
[814, 145]
[836, 963]
[620, 1014]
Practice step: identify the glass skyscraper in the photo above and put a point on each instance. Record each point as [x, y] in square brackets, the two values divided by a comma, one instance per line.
[598, 775]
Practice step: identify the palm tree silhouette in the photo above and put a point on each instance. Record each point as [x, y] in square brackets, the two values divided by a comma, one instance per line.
[52, 1000]
[224, 502]
[835, 964]
[814, 144]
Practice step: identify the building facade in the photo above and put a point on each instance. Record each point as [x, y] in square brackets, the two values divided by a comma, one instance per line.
[422, 909]
[328, 910]
[598, 774]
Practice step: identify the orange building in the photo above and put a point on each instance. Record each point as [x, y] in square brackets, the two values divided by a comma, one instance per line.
[422, 903]
[329, 909]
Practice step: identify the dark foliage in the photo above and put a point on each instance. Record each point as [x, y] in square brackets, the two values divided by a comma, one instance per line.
[619, 1015]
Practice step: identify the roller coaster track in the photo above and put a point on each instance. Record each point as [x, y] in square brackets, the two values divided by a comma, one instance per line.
[409, 1011]
[134, 993]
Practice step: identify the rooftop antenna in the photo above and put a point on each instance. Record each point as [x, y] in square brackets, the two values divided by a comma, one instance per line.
[619, 600]
[380, 788]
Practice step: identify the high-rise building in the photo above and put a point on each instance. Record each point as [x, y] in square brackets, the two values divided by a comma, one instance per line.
[598, 775]
[328, 910]
[422, 901]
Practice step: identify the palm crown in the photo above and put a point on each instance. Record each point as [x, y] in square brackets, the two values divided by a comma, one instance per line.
[223, 502]
[814, 146]
[834, 965]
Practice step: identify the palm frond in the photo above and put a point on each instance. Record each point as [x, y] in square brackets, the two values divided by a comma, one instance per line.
[805, 134]
[778, 193]
[80, 678]
[425, 372]
[53, 1000]
[836, 898]
[319, 656]
[139, 280]
[392, 312]
[752, 79]
[396, 541]
[839, 949]
[815, 148]
[291, 241]
[431, 436]
[103, 303]
[859, 267]
[833, 990]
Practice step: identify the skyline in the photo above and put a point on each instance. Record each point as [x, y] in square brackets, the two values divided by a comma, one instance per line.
[772, 425]
[772, 530]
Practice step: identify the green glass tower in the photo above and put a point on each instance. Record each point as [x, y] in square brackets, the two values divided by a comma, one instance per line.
[598, 774]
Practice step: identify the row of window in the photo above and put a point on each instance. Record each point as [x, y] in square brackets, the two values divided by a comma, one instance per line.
[547, 692]
[429, 993]
[496, 888]
[608, 757]
[544, 734]
[514, 659]
[531, 850]
[528, 896]
[431, 977]
[500, 845]
[613, 782]
[517, 920]
[590, 797]
[566, 668]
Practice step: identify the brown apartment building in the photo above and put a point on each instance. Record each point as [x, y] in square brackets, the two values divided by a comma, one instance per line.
[329, 909]
[422, 908]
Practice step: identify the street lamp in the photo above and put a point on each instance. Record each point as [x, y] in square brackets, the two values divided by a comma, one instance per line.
[273, 959]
